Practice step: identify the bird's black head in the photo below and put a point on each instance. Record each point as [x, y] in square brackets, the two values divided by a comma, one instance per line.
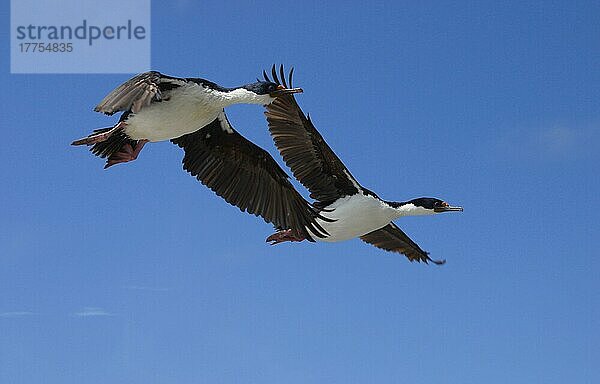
[433, 204]
[261, 87]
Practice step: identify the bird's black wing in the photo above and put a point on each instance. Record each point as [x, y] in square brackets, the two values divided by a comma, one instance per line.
[391, 238]
[138, 92]
[246, 176]
[304, 150]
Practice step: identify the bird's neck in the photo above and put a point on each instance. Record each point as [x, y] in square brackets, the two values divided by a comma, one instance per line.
[240, 96]
[407, 208]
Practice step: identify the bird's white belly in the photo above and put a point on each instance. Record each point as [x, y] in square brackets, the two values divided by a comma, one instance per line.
[170, 119]
[355, 216]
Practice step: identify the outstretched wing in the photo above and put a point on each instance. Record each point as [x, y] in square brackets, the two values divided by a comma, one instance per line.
[304, 150]
[391, 238]
[138, 92]
[246, 176]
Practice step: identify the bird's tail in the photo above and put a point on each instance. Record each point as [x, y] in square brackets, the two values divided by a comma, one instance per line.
[97, 136]
[106, 142]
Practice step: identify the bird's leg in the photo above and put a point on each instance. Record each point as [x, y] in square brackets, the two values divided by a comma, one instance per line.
[285, 235]
[126, 153]
[138, 148]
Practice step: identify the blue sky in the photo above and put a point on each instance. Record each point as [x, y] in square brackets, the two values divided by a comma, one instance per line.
[139, 274]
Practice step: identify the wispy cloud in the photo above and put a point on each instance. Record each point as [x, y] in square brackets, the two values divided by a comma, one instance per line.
[557, 142]
[560, 140]
[146, 288]
[92, 312]
[16, 314]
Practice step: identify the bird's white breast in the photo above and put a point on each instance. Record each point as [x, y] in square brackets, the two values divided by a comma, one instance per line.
[355, 216]
[187, 109]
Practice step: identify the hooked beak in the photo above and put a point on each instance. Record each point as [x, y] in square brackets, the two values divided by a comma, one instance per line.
[447, 208]
[281, 90]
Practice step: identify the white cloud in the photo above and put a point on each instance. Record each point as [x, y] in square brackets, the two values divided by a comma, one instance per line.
[16, 314]
[92, 312]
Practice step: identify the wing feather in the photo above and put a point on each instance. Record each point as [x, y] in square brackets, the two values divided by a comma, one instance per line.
[304, 150]
[393, 239]
[246, 176]
[138, 92]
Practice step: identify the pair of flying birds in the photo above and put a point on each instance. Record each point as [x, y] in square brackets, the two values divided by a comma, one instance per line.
[190, 113]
